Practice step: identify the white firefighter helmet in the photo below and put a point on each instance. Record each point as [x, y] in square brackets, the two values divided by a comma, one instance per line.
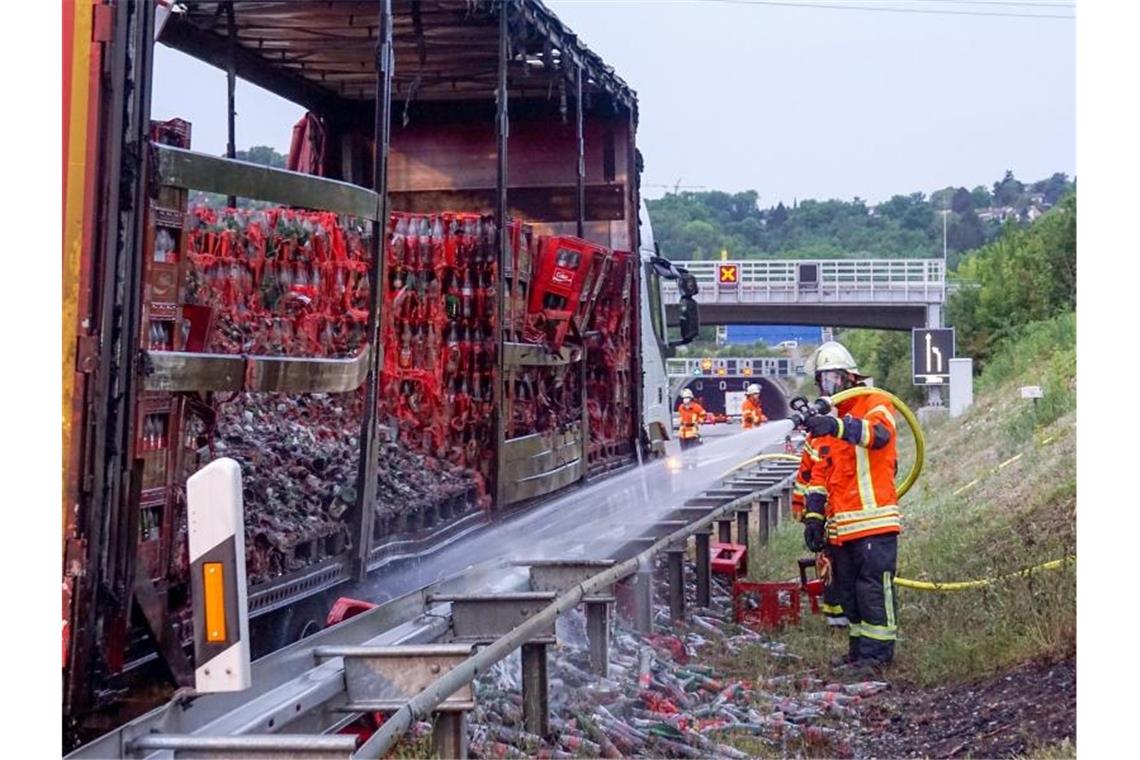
[753, 389]
[831, 355]
[686, 395]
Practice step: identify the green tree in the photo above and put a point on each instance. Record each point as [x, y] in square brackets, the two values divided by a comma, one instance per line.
[262, 154]
[981, 197]
[1026, 275]
[962, 201]
[1008, 192]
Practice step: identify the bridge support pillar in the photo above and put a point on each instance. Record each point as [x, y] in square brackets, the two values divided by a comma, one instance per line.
[934, 392]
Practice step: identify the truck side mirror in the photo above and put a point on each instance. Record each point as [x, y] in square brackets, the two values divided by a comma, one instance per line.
[689, 318]
[687, 283]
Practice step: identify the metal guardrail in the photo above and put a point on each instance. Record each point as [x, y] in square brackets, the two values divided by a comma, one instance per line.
[816, 281]
[297, 693]
[423, 704]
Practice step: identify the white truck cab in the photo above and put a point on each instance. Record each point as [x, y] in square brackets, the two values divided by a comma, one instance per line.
[657, 411]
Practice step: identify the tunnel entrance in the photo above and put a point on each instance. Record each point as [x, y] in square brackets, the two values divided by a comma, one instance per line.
[712, 393]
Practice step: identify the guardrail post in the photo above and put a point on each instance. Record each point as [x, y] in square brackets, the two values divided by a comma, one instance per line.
[561, 576]
[449, 735]
[704, 595]
[535, 685]
[743, 515]
[675, 557]
[643, 601]
[765, 520]
[598, 633]
[724, 530]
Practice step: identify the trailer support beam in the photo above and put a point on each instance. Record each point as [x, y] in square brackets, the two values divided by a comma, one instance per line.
[581, 190]
[502, 241]
[365, 507]
[231, 85]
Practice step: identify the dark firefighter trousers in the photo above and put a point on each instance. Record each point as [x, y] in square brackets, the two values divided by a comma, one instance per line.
[832, 600]
[865, 574]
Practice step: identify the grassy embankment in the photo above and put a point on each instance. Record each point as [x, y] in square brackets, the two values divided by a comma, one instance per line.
[1018, 516]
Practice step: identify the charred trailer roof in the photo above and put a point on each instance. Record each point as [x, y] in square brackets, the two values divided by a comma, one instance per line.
[323, 56]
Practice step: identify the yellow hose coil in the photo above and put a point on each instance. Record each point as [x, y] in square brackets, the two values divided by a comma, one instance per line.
[908, 415]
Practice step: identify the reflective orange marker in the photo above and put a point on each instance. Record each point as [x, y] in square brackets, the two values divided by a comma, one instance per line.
[215, 601]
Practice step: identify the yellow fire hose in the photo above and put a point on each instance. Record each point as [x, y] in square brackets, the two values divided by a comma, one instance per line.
[761, 458]
[908, 415]
[908, 481]
[962, 585]
[911, 420]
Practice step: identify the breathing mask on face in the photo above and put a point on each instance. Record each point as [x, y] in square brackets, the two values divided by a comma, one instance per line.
[832, 381]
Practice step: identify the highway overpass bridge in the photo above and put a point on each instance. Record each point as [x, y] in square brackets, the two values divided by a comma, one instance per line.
[894, 294]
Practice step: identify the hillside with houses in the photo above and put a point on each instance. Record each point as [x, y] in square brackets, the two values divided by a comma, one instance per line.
[702, 225]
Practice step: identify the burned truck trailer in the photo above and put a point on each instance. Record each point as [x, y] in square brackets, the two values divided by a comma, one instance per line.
[442, 310]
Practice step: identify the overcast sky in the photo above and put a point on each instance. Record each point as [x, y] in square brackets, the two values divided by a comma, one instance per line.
[794, 102]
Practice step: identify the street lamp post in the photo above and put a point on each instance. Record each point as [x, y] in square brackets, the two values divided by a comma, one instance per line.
[945, 214]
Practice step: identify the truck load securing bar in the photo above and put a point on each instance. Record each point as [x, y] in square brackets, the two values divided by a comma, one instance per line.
[198, 171]
[180, 372]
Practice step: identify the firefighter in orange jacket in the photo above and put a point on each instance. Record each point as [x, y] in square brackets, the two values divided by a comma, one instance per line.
[751, 413]
[858, 503]
[692, 415]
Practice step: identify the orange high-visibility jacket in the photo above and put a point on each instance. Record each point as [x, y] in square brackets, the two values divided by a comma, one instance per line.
[751, 413]
[694, 414]
[859, 477]
[810, 461]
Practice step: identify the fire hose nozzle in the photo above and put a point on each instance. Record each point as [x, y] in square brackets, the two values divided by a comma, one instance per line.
[804, 409]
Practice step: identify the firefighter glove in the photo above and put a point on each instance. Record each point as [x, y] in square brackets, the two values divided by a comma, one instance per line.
[821, 424]
[814, 533]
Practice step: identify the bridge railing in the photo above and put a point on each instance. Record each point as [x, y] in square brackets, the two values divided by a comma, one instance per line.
[817, 281]
[759, 366]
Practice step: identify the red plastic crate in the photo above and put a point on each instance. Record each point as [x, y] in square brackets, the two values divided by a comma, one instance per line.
[344, 608]
[779, 603]
[729, 559]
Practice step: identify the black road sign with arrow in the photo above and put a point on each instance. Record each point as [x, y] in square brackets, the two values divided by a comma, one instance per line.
[932, 352]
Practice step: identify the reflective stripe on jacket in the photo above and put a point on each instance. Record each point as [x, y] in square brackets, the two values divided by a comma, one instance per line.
[811, 466]
[858, 472]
